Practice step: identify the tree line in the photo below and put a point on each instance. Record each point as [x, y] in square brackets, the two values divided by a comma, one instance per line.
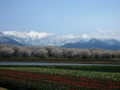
[7, 50]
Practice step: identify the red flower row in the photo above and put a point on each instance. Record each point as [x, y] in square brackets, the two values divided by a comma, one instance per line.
[59, 80]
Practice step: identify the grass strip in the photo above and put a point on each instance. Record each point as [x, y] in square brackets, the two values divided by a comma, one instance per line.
[73, 67]
[59, 58]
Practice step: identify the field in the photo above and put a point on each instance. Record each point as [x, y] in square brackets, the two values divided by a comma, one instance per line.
[60, 77]
[62, 60]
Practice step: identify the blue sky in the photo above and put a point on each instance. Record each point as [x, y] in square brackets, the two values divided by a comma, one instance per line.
[61, 17]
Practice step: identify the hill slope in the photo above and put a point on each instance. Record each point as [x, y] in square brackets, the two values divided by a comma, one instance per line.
[102, 44]
[8, 40]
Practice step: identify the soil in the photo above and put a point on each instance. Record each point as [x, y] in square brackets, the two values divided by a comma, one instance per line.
[1, 88]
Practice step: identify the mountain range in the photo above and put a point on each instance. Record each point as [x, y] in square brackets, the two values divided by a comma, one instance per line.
[32, 38]
[8, 40]
[95, 43]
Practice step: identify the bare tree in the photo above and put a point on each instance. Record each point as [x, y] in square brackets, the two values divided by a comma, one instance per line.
[1, 46]
[57, 52]
[6, 52]
[93, 49]
[49, 49]
[118, 53]
[24, 51]
[64, 50]
[34, 51]
[42, 52]
[16, 50]
[113, 53]
[96, 53]
[70, 52]
[106, 54]
[84, 53]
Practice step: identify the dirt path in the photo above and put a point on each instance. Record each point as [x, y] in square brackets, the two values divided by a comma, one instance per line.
[1, 88]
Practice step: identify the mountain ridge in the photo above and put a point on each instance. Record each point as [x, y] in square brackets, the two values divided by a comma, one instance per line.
[8, 40]
[41, 39]
[94, 43]
[32, 38]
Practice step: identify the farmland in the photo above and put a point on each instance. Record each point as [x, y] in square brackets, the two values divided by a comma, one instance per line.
[61, 77]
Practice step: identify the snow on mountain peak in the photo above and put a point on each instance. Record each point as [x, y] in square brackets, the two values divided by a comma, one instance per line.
[71, 36]
[85, 36]
[27, 34]
[15, 34]
[33, 34]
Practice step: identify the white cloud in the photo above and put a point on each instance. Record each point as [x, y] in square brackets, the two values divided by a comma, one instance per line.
[106, 34]
[104, 31]
[85, 36]
[119, 31]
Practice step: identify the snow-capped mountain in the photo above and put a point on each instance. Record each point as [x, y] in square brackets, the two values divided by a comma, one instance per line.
[8, 40]
[32, 38]
[95, 43]
[27, 34]
[41, 39]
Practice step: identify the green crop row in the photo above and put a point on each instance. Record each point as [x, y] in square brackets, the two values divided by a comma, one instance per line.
[78, 73]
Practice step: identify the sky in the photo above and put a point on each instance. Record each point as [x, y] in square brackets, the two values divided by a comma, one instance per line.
[100, 18]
